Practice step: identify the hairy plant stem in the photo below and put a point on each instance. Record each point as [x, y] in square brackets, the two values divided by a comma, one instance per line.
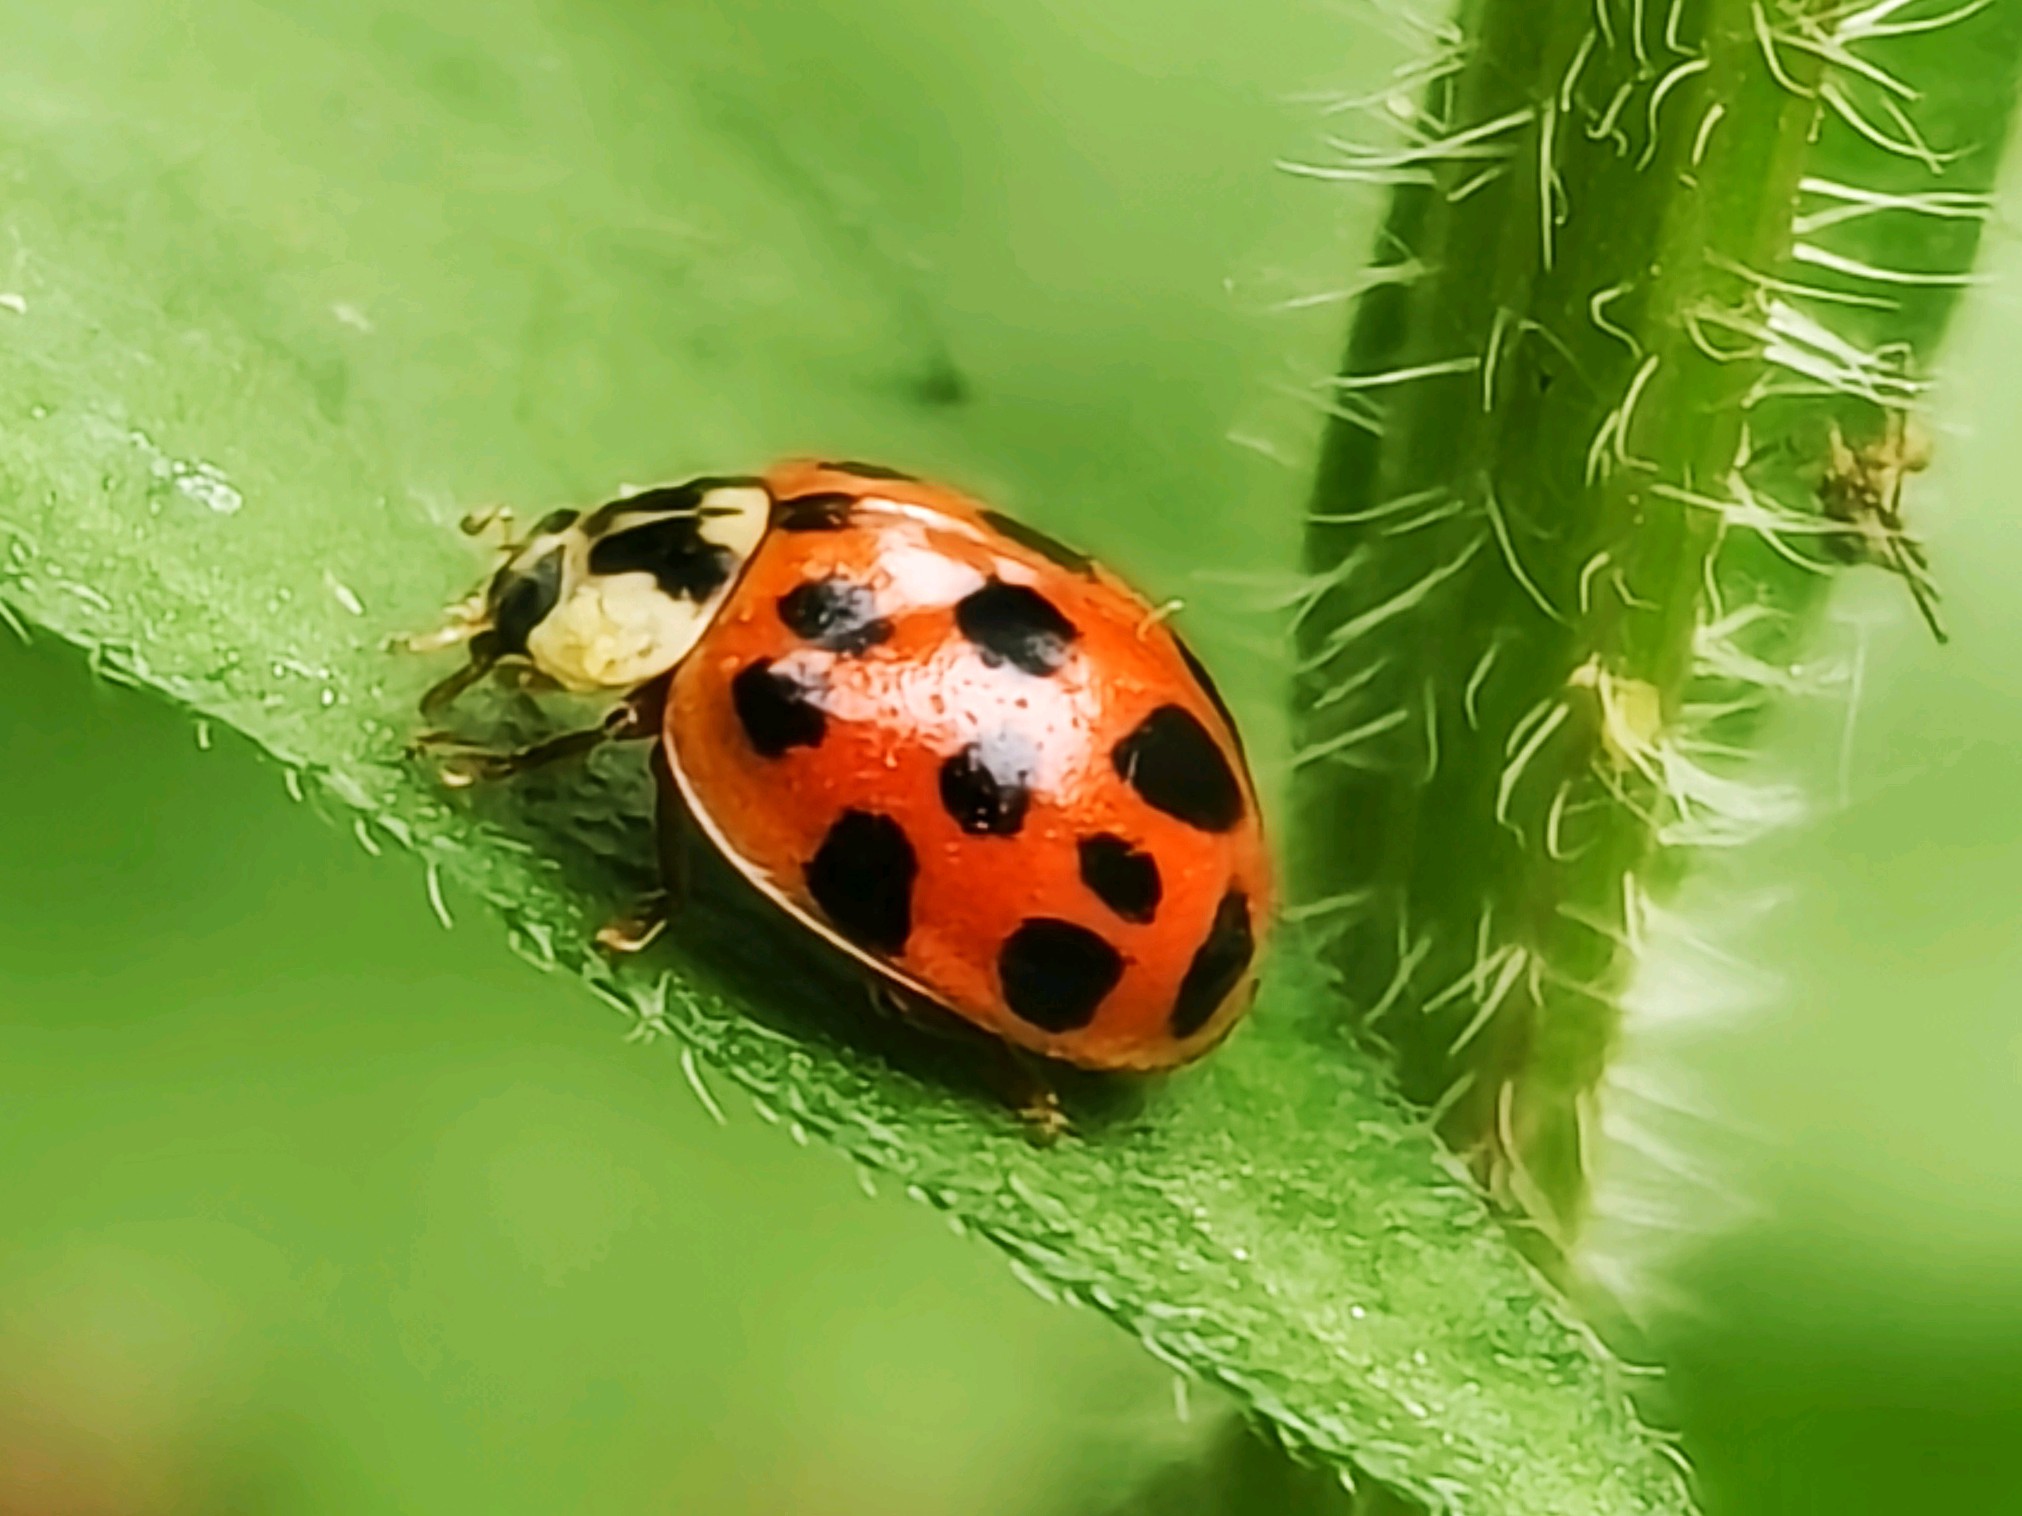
[1578, 444]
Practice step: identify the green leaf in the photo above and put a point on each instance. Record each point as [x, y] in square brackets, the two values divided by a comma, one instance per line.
[1239, 1468]
[288, 290]
[1571, 521]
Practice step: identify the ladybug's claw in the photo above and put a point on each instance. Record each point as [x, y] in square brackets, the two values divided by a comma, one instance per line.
[637, 930]
[1033, 1099]
[1044, 1121]
[460, 623]
[461, 771]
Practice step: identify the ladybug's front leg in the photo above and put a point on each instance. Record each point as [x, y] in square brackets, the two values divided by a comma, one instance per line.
[638, 928]
[467, 763]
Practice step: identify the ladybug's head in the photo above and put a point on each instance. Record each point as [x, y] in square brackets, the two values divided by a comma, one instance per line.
[612, 599]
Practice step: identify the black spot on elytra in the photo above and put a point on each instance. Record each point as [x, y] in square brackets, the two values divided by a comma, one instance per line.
[988, 785]
[1218, 967]
[1055, 974]
[777, 709]
[834, 613]
[555, 521]
[1010, 623]
[521, 598]
[862, 878]
[869, 470]
[825, 512]
[1207, 683]
[1176, 767]
[684, 563]
[1123, 878]
[1049, 548]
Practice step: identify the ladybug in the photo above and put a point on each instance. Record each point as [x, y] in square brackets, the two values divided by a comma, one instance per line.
[965, 755]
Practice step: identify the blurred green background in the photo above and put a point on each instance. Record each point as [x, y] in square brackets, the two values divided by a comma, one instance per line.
[311, 1206]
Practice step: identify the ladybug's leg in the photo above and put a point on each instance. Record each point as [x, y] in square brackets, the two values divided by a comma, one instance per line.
[1033, 1099]
[460, 623]
[470, 616]
[484, 656]
[1015, 1078]
[671, 832]
[467, 763]
[637, 928]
